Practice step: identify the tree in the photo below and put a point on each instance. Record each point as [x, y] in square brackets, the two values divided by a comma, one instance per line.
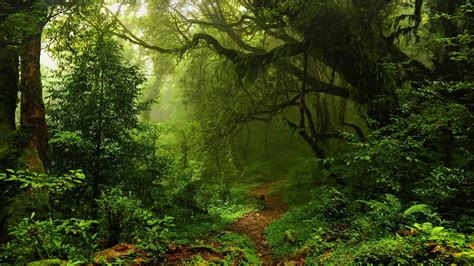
[33, 117]
[96, 100]
[22, 24]
[290, 38]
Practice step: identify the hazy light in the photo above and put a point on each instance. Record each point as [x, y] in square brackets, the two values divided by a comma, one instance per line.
[140, 12]
[47, 61]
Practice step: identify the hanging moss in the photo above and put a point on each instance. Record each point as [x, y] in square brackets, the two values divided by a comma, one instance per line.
[355, 51]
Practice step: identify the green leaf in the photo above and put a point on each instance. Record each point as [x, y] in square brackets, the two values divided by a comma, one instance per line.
[418, 208]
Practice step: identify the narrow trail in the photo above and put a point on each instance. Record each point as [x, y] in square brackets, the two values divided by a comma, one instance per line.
[253, 224]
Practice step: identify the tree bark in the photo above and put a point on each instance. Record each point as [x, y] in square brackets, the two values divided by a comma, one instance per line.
[33, 118]
[8, 90]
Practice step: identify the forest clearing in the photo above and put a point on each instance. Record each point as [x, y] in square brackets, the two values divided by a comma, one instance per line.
[236, 132]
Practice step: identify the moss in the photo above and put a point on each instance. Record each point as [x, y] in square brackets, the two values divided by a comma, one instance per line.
[47, 262]
[9, 150]
[12, 150]
[464, 257]
[30, 159]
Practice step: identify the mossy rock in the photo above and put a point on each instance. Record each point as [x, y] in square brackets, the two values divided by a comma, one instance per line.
[47, 262]
[465, 257]
[127, 252]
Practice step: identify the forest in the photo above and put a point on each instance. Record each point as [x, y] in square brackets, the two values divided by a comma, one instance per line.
[236, 132]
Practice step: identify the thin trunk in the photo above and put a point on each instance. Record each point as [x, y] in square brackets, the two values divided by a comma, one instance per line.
[217, 160]
[33, 118]
[447, 143]
[247, 141]
[153, 92]
[265, 142]
[97, 172]
[185, 150]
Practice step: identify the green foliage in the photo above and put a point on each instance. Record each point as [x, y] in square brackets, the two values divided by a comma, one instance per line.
[45, 239]
[201, 204]
[239, 246]
[225, 248]
[98, 79]
[20, 23]
[445, 186]
[57, 185]
[439, 240]
[296, 227]
[123, 218]
[180, 187]
[401, 195]
[423, 155]
[102, 91]
[418, 208]
[391, 250]
[36, 192]
[39, 235]
[375, 237]
[382, 216]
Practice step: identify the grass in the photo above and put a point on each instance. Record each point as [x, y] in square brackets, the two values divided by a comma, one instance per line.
[191, 225]
[301, 193]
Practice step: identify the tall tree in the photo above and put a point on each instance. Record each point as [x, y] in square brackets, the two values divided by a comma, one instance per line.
[96, 100]
[8, 78]
[22, 24]
[8, 89]
[33, 117]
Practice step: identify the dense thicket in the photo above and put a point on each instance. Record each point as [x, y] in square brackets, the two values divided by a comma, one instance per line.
[161, 115]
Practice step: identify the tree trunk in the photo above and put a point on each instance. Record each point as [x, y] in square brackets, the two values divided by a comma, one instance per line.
[97, 172]
[33, 118]
[265, 142]
[8, 101]
[8, 89]
[247, 141]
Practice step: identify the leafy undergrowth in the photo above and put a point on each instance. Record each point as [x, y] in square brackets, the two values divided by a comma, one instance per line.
[289, 233]
[324, 226]
[329, 230]
[226, 248]
[192, 224]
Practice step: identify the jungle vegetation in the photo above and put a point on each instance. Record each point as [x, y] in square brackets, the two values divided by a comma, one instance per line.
[241, 132]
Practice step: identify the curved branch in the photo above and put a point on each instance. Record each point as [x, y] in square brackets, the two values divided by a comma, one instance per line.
[316, 85]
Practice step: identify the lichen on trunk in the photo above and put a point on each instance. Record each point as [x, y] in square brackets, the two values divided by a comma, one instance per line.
[33, 118]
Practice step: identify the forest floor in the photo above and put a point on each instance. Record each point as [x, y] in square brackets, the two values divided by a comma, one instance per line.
[253, 224]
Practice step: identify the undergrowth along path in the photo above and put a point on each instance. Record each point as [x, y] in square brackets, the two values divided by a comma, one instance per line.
[253, 224]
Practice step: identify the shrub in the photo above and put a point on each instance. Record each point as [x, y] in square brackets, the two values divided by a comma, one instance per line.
[122, 218]
[46, 239]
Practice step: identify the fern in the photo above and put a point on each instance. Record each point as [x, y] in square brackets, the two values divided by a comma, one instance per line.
[418, 208]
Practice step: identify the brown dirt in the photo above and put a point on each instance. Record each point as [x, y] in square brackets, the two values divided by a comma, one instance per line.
[253, 224]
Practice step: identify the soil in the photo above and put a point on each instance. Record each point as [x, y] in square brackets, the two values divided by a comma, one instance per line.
[253, 224]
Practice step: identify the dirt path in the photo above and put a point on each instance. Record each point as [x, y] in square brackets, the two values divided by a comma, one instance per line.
[253, 224]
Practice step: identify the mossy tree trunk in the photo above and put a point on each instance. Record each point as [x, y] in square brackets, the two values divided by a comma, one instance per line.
[21, 49]
[8, 94]
[33, 117]
[8, 88]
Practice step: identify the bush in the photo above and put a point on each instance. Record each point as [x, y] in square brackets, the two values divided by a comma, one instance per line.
[427, 147]
[180, 188]
[443, 186]
[46, 239]
[296, 227]
[122, 218]
[393, 250]
[382, 216]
